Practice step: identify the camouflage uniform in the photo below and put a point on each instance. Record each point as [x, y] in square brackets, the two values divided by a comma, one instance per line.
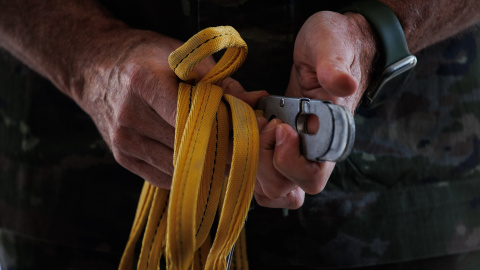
[407, 197]
[64, 202]
[410, 189]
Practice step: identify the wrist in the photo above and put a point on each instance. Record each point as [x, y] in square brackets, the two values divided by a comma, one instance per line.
[366, 48]
[395, 62]
[93, 56]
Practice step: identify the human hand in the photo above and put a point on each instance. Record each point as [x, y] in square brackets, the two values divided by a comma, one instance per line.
[131, 94]
[333, 56]
[132, 97]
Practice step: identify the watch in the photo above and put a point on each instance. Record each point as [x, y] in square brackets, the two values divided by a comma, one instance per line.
[395, 63]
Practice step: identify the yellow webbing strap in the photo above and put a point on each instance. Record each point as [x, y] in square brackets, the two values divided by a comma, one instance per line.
[177, 224]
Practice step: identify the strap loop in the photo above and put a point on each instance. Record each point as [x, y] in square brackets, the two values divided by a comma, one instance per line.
[202, 45]
[179, 221]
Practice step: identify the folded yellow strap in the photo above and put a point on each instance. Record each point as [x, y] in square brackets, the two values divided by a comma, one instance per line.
[204, 44]
[240, 182]
[181, 226]
[177, 224]
[143, 207]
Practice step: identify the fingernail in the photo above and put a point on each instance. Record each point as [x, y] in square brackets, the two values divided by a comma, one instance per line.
[259, 120]
[269, 126]
[280, 135]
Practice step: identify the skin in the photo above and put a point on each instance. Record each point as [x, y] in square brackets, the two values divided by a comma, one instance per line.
[107, 69]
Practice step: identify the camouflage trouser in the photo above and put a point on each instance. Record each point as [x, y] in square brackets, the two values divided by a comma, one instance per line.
[279, 244]
[411, 188]
[409, 191]
[19, 253]
[25, 252]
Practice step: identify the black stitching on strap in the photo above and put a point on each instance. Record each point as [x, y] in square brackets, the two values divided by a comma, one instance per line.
[206, 41]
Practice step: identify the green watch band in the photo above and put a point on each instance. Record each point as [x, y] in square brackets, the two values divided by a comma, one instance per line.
[395, 58]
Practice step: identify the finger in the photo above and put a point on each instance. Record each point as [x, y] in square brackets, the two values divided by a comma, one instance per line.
[341, 85]
[292, 200]
[273, 183]
[145, 121]
[154, 153]
[233, 87]
[262, 123]
[128, 143]
[158, 87]
[336, 78]
[204, 67]
[146, 171]
[156, 128]
[333, 58]
[310, 176]
[328, 73]
[327, 60]
[295, 88]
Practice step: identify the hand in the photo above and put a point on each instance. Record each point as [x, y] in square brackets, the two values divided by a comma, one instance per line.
[132, 98]
[333, 56]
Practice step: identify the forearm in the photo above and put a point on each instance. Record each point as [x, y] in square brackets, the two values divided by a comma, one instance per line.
[58, 39]
[426, 22]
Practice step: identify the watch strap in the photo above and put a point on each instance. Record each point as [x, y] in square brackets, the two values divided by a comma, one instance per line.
[387, 27]
[394, 58]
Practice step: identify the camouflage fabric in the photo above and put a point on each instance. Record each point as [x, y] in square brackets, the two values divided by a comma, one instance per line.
[269, 28]
[410, 189]
[407, 197]
[64, 202]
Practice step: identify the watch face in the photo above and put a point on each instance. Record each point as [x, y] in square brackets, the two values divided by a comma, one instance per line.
[392, 78]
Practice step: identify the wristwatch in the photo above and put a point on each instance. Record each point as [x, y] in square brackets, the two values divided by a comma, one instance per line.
[395, 63]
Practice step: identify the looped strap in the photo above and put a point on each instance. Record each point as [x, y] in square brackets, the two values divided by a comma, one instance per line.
[178, 223]
[204, 44]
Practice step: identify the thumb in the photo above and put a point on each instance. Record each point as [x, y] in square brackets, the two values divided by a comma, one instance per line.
[335, 77]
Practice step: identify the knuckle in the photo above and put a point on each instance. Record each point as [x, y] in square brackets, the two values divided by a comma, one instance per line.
[163, 162]
[139, 78]
[161, 181]
[135, 75]
[296, 199]
[120, 157]
[276, 187]
[125, 115]
[262, 200]
[230, 86]
[281, 161]
[120, 139]
[273, 193]
[315, 187]
[153, 86]
[296, 204]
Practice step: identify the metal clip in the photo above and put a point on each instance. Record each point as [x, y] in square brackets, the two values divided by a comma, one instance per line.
[333, 141]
